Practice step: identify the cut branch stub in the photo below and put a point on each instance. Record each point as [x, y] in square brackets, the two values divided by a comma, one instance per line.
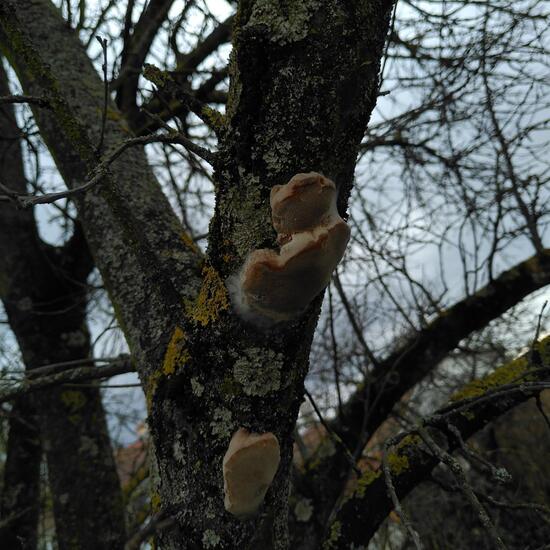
[278, 286]
[249, 466]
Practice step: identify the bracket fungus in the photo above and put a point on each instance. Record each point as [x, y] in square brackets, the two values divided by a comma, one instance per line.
[278, 285]
[249, 466]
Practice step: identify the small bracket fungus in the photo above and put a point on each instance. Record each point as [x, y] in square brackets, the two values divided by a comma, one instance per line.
[249, 466]
[279, 285]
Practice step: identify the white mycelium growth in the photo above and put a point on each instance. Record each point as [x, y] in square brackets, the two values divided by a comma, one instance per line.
[275, 285]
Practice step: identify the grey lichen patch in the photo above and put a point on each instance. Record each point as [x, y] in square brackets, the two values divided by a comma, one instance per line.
[210, 539]
[284, 28]
[222, 425]
[74, 339]
[303, 510]
[253, 213]
[277, 156]
[88, 447]
[196, 387]
[178, 449]
[259, 371]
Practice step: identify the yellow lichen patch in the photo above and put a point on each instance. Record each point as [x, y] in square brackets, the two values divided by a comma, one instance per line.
[175, 357]
[155, 502]
[365, 480]
[155, 75]
[334, 535]
[543, 348]
[212, 299]
[189, 243]
[214, 117]
[151, 387]
[516, 370]
[506, 374]
[176, 353]
[398, 463]
[409, 441]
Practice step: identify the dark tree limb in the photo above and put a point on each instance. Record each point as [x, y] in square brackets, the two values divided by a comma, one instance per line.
[188, 63]
[136, 48]
[43, 290]
[470, 409]
[392, 377]
[409, 364]
[39, 101]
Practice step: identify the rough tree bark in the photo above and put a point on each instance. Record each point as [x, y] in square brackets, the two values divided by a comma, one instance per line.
[43, 289]
[20, 497]
[304, 81]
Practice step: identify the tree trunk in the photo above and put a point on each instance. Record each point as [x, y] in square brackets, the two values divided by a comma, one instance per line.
[304, 81]
[44, 294]
[20, 499]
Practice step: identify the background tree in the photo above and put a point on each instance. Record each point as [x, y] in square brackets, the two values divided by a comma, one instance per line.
[450, 176]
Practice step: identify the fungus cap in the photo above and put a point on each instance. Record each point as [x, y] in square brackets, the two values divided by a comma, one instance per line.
[302, 203]
[280, 286]
[249, 466]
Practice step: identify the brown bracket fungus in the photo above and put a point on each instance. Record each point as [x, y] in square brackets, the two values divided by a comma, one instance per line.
[249, 466]
[279, 285]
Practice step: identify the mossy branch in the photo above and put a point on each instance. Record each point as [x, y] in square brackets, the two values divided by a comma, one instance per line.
[422, 352]
[477, 404]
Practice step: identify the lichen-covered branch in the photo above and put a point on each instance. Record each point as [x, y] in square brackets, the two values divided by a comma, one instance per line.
[470, 409]
[392, 377]
[71, 376]
[412, 361]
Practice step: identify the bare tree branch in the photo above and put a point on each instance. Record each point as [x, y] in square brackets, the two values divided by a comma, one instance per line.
[39, 101]
[26, 201]
[78, 374]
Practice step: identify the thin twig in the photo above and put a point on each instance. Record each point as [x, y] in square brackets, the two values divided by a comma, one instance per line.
[34, 100]
[499, 474]
[354, 324]
[403, 516]
[65, 365]
[334, 436]
[458, 472]
[542, 510]
[27, 201]
[535, 357]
